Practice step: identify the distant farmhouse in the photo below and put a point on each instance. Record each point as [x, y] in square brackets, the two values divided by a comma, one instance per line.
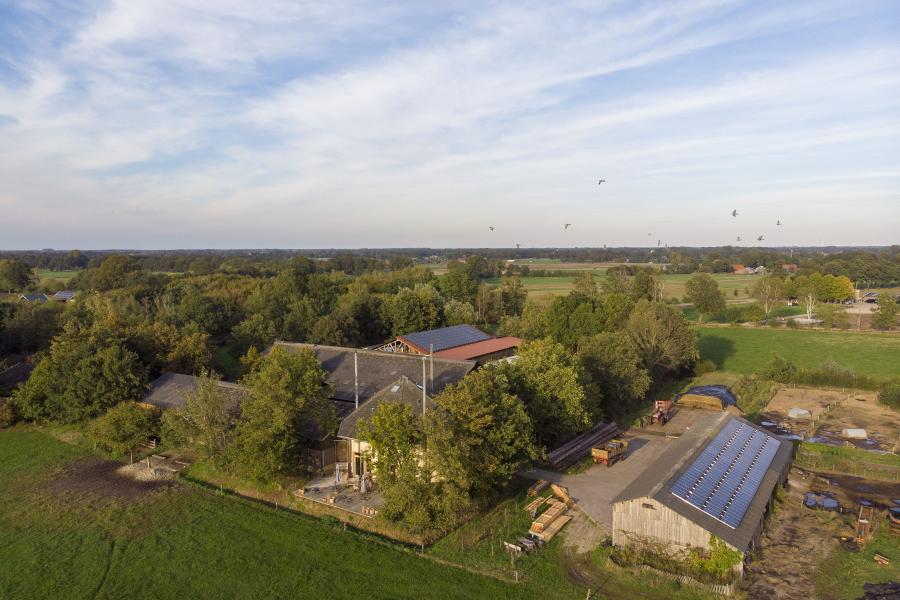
[63, 296]
[719, 485]
[739, 269]
[33, 298]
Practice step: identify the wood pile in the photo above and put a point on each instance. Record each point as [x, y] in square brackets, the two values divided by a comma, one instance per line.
[532, 507]
[550, 522]
[881, 559]
[560, 492]
[537, 487]
[579, 447]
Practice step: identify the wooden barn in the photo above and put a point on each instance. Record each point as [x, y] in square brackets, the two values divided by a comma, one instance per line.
[719, 484]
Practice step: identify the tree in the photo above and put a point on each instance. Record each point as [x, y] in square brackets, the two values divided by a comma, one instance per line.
[116, 271]
[395, 436]
[703, 292]
[459, 313]
[205, 422]
[488, 304]
[415, 309]
[885, 316]
[808, 292]
[123, 427]
[15, 275]
[662, 337]
[288, 403]
[550, 382]
[512, 296]
[768, 291]
[647, 284]
[617, 282]
[586, 285]
[479, 435]
[457, 285]
[75, 380]
[614, 366]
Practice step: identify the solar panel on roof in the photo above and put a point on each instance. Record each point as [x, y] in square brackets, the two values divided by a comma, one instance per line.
[725, 476]
[446, 337]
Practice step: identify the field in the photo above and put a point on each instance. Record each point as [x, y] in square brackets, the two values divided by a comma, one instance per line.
[45, 275]
[63, 538]
[747, 350]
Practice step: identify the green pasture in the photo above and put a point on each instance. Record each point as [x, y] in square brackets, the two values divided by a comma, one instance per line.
[747, 350]
[44, 275]
[188, 543]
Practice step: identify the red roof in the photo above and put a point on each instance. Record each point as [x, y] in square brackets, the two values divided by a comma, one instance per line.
[479, 349]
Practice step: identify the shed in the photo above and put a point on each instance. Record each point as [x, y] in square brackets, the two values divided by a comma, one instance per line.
[710, 483]
[172, 390]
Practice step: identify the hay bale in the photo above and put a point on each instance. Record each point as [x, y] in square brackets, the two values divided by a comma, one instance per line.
[702, 402]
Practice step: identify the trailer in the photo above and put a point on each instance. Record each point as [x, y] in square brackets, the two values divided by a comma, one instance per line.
[610, 453]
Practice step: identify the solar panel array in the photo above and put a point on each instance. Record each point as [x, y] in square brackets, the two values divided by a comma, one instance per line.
[724, 478]
[446, 337]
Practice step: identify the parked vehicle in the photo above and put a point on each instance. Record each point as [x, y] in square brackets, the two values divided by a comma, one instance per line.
[610, 453]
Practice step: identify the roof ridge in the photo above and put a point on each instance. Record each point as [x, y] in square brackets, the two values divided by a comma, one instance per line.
[377, 353]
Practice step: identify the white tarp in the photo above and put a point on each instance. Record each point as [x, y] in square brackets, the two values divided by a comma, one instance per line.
[855, 434]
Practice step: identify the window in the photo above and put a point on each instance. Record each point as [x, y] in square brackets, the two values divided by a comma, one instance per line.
[650, 506]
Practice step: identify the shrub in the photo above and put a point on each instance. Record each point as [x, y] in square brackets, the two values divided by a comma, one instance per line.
[7, 417]
[889, 394]
[774, 323]
[779, 369]
[704, 366]
[792, 324]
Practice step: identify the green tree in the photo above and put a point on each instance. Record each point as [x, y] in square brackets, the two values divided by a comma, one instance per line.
[206, 421]
[457, 285]
[647, 284]
[512, 296]
[614, 366]
[768, 291]
[123, 427]
[15, 275]
[415, 309]
[459, 313]
[479, 435]
[551, 383]
[116, 271]
[662, 337]
[586, 285]
[885, 315]
[617, 282]
[288, 404]
[703, 292]
[395, 436]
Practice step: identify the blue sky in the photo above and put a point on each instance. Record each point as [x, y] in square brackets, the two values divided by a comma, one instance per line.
[197, 124]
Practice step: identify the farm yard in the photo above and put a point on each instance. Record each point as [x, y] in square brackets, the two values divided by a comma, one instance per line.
[747, 350]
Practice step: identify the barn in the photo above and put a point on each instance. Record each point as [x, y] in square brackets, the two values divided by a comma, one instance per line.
[718, 484]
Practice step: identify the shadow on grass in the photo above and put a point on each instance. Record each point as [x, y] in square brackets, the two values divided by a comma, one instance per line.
[716, 349]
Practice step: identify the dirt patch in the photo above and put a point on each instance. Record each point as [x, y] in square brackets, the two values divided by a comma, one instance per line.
[795, 540]
[814, 400]
[104, 479]
[861, 411]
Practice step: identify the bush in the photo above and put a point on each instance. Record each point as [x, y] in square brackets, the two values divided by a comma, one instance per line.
[715, 566]
[704, 366]
[779, 369]
[123, 427]
[889, 394]
[774, 323]
[7, 417]
[792, 324]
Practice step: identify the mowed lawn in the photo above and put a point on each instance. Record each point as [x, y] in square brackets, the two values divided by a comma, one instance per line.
[746, 350]
[187, 543]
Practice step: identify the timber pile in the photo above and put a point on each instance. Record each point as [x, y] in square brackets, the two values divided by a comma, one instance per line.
[534, 505]
[537, 487]
[579, 447]
[550, 522]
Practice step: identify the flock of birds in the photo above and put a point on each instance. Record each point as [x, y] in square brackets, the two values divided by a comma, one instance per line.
[734, 213]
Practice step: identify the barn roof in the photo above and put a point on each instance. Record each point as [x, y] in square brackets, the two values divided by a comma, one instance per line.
[64, 295]
[33, 297]
[443, 338]
[693, 453]
[378, 370]
[479, 349]
[402, 391]
[171, 390]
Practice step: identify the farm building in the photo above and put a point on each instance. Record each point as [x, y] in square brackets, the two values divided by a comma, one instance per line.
[721, 484]
[360, 379]
[402, 391]
[33, 298]
[172, 390]
[460, 342]
[63, 296]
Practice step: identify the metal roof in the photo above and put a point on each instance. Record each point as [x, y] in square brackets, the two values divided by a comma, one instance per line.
[443, 338]
[377, 370]
[171, 390]
[64, 295]
[33, 297]
[662, 476]
[479, 349]
[402, 391]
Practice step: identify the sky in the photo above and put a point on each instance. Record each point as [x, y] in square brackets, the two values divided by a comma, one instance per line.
[286, 124]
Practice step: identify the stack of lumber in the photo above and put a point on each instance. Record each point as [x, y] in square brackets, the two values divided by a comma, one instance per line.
[548, 524]
[576, 449]
[534, 505]
[881, 559]
[537, 487]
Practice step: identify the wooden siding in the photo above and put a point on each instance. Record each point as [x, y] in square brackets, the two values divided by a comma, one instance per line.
[634, 523]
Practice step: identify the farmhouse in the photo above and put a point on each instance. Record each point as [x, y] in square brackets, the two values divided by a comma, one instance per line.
[172, 390]
[721, 484]
[460, 342]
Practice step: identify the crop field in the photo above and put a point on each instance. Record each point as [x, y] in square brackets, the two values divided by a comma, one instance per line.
[45, 275]
[68, 533]
[746, 350]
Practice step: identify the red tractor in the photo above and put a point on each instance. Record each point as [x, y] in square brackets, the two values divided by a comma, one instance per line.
[661, 412]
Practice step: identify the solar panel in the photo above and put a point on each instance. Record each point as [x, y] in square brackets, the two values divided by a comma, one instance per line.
[725, 476]
[446, 337]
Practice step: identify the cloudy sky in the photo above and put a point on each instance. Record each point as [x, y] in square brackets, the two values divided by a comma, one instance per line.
[226, 123]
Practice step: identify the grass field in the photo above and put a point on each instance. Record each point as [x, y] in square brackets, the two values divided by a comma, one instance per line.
[746, 350]
[45, 275]
[187, 543]
[838, 577]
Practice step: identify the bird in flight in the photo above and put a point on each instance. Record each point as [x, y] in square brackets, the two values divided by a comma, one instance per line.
[739, 238]
[734, 213]
[778, 223]
[567, 225]
[759, 239]
[491, 228]
[658, 243]
[601, 181]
